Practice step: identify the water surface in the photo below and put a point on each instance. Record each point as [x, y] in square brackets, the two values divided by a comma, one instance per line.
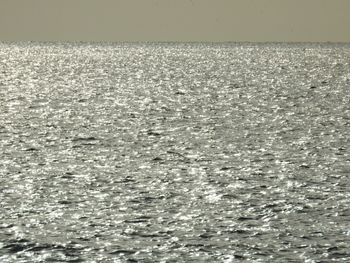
[174, 153]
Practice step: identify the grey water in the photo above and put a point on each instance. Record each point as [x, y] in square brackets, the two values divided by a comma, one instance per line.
[166, 152]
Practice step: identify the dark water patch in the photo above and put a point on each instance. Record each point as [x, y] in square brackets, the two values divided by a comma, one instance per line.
[84, 139]
[31, 149]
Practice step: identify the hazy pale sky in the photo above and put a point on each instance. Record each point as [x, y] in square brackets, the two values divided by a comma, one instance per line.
[175, 20]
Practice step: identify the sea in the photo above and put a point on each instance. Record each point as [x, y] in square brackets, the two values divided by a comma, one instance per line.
[174, 152]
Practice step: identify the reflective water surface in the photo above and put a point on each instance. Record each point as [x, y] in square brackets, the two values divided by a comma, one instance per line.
[174, 153]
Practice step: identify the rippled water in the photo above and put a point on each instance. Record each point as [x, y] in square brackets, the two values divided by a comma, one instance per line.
[174, 153]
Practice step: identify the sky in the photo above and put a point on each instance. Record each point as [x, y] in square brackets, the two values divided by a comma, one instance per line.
[175, 20]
